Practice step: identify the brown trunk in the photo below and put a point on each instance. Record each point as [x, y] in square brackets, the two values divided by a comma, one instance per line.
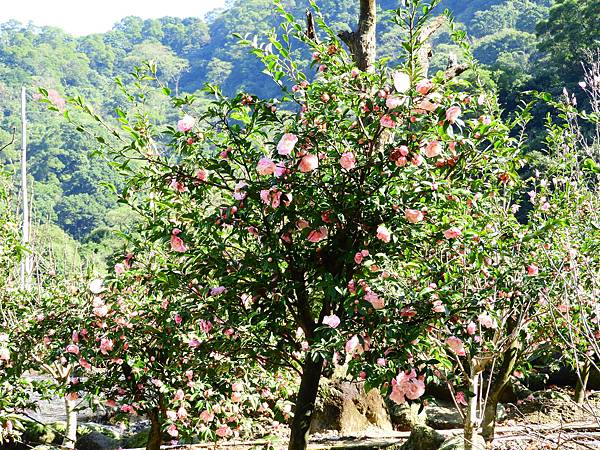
[362, 42]
[583, 376]
[305, 404]
[155, 436]
[510, 357]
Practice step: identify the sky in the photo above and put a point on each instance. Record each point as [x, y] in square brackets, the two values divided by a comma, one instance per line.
[81, 17]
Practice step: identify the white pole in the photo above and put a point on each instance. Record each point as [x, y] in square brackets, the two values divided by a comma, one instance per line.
[26, 263]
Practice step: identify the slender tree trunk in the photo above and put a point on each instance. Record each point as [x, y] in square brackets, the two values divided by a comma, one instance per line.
[470, 428]
[155, 436]
[362, 42]
[582, 381]
[71, 430]
[509, 360]
[305, 404]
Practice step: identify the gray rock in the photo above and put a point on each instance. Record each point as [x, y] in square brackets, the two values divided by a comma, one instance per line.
[458, 443]
[406, 416]
[443, 416]
[138, 439]
[423, 438]
[346, 407]
[96, 441]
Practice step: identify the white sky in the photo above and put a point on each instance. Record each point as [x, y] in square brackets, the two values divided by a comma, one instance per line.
[81, 17]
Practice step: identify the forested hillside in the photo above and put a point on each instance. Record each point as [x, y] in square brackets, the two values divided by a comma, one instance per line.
[523, 43]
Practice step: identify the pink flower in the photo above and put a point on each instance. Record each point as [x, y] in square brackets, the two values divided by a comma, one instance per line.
[387, 121]
[72, 348]
[384, 234]
[381, 362]
[280, 169]
[265, 166]
[348, 160]
[358, 257]
[238, 191]
[376, 301]
[486, 321]
[106, 345]
[452, 233]
[186, 124]
[83, 363]
[179, 395]
[471, 328]
[271, 197]
[406, 384]
[438, 306]
[178, 319]
[177, 244]
[286, 144]
[172, 430]
[460, 398]
[202, 175]
[333, 321]
[393, 102]
[414, 215]
[309, 163]
[453, 113]
[433, 149]
[456, 345]
[352, 344]
[236, 397]
[485, 120]
[119, 268]
[223, 431]
[354, 72]
[177, 185]
[216, 291]
[206, 416]
[318, 235]
[4, 354]
[532, 270]
[424, 86]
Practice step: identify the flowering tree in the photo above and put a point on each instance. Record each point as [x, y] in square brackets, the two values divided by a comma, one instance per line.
[321, 223]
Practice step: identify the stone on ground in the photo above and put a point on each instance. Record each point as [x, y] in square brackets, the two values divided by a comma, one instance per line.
[458, 443]
[406, 417]
[96, 441]
[423, 437]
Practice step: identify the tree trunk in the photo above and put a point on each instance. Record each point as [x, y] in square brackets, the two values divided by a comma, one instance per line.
[362, 42]
[583, 376]
[155, 436]
[509, 360]
[305, 404]
[71, 429]
[470, 428]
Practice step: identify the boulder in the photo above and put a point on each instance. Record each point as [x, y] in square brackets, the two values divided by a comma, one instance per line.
[423, 437]
[95, 440]
[137, 440]
[406, 417]
[345, 407]
[443, 416]
[458, 443]
[43, 433]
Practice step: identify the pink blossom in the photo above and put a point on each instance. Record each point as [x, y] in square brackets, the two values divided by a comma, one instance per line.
[202, 175]
[106, 345]
[178, 319]
[414, 215]
[96, 286]
[236, 397]
[238, 192]
[72, 348]
[217, 291]
[348, 160]
[381, 362]
[286, 144]
[172, 430]
[424, 86]
[545, 206]
[376, 301]
[532, 270]
[354, 72]
[387, 121]
[358, 257]
[456, 345]
[265, 166]
[333, 321]
[86, 365]
[417, 160]
[407, 311]
[406, 384]
[384, 234]
[177, 244]
[271, 197]
[206, 325]
[318, 235]
[471, 328]
[223, 431]
[4, 354]
[308, 163]
[460, 398]
[438, 306]
[453, 113]
[485, 120]
[486, 321]
[206, 416]
[186, 124]
[452, 233]
[301, 224]
[433, 149]
[393, 102]
[280, 169]
[352, 344]
[179, 395]
[119, 268]
[177, 185]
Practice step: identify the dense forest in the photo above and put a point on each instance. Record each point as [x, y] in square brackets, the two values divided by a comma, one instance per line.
[522, 45]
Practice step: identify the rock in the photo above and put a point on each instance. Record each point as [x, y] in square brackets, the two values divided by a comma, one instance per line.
[346, 407]
[43, 433]
[109, 431]
[406, 416]
[457, 443]
[443, 416]
[423, 438]
[95, 440]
